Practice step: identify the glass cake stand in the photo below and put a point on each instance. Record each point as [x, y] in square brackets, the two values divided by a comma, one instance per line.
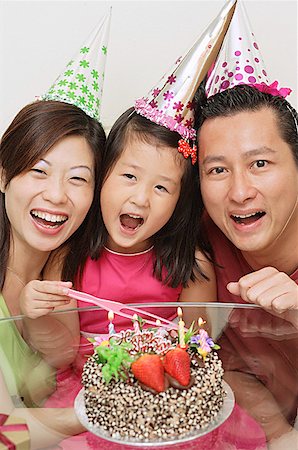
[174, 442]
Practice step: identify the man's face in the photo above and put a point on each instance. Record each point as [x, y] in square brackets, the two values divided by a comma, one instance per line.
[249, 180]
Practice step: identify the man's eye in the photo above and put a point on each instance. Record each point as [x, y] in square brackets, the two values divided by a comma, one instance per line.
[217, 170]
[261, 163]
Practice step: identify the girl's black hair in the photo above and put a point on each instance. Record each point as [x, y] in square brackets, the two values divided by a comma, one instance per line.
[176, 242]
[32, 133]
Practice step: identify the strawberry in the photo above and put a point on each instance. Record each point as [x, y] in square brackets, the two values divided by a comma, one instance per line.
[177, 364]
[148, 369]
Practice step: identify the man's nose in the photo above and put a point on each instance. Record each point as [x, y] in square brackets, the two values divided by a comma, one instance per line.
[241, 188]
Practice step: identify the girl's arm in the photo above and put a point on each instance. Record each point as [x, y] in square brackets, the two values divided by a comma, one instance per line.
[55, 336]
[200, 290]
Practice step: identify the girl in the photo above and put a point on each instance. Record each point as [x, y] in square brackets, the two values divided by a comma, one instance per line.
[49, 171]
[151, 209]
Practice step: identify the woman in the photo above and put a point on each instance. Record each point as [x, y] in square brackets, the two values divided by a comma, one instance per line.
[50, 158]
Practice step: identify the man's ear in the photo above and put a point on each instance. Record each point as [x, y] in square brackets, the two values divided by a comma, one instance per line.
[2, 180]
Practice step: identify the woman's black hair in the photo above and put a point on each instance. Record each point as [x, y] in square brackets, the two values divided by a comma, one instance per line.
[176, 242]
[32, 133]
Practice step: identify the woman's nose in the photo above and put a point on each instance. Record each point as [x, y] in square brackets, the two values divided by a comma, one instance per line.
[55, 191]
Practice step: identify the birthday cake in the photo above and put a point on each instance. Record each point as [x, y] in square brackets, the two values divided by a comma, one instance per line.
[144, 385]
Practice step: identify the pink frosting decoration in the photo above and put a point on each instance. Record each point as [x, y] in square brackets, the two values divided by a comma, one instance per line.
[272, 89]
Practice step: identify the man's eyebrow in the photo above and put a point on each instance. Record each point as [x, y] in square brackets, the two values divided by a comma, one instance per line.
[261, 151]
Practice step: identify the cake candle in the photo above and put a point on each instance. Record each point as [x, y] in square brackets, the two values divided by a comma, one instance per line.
[201, 322]
[111, 325]
[181, 329]
[136, 326]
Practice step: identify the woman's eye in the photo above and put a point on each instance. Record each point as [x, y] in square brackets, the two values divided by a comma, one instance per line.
[36, 170]
[79, 179]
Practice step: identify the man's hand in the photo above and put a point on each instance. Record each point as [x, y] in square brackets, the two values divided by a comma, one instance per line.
[269, 288]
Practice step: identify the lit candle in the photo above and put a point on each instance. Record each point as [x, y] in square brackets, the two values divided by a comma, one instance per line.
[111, 326]
[201, 322]
[181, 328]
[136, 326]
[158, 323]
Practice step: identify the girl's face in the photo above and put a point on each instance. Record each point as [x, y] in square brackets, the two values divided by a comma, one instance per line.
[47, 204]
[140, 194]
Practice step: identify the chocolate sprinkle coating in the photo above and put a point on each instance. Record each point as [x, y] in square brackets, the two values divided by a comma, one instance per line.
[123, 410]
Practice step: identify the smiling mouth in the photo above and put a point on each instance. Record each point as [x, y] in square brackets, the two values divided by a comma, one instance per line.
[247, 219]
[48, 220]
[131, 221]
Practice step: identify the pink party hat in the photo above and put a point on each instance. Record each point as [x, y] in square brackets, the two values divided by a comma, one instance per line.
[239, 60]
[81, 82]
[170, 103]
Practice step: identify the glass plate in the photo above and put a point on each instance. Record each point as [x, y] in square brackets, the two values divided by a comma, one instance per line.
[221, 417]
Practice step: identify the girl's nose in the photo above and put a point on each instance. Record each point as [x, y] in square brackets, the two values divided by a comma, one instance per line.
[140, 196]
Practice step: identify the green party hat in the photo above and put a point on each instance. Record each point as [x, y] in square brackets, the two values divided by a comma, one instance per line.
[81, 82]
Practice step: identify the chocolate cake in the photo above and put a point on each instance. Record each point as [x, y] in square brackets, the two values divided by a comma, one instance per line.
[143, 385]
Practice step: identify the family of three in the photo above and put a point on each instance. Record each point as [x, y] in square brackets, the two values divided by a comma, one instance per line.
[136, 217]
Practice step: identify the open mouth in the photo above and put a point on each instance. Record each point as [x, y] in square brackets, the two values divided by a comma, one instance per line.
[131, 222]
[48, 220]
[247, 219]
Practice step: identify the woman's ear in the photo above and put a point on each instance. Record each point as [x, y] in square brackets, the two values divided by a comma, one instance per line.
[2, 180]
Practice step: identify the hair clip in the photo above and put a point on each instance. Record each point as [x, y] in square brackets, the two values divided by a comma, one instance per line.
[187, 150]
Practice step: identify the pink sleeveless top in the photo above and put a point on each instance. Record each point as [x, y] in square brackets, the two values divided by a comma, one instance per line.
[126, 278]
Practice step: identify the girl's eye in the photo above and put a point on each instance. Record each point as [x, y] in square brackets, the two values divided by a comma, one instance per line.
[260, 163]
[129, 176]
[161, 188]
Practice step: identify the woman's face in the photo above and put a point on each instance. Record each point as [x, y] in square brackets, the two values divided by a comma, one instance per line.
[47, 204]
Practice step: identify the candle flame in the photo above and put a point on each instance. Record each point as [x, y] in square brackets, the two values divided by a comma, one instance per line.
[201, 321]
[110, 316]
[158, 322]
[135, 317]
[179, 312]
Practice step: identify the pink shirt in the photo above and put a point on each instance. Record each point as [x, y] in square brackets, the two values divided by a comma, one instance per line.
[126, 278]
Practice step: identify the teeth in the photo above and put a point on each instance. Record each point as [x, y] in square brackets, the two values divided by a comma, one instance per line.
[134, 217]
[244, 216]
[49, 217]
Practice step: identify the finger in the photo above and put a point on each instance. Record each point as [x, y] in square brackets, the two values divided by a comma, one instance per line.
[233, 288]
[53, 287]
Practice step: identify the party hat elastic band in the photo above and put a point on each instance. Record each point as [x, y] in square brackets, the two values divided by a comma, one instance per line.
[169, 103]
[81, 82]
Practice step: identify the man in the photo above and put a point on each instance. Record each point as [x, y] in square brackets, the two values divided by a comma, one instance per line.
[248, 164]
[248, 160]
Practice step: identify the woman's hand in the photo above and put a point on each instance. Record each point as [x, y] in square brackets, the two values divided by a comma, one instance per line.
[39, 298]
